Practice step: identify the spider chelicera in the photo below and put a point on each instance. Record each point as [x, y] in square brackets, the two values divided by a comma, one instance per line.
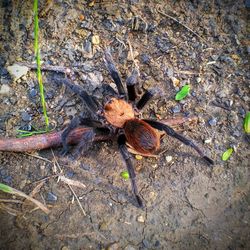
[119, 117]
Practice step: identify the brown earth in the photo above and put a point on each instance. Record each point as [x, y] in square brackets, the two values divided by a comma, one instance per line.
[187, 204]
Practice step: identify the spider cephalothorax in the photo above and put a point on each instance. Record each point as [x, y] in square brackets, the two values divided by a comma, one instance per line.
[119, 116]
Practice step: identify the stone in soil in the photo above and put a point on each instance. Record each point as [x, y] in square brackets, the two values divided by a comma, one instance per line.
[212, 121]
[17, 71]
[145, 58]
[176, 109]
[5, 90]
[26, 117]
[33, 93]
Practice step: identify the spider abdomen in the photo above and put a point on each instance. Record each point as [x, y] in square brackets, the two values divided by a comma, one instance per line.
[141, 136]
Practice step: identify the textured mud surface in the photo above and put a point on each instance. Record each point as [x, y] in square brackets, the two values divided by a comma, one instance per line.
[188, 205]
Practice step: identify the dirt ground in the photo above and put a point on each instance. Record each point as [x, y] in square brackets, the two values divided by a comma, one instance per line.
[188, 205]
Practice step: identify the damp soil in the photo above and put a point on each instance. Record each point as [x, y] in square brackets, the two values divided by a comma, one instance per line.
[188, 205]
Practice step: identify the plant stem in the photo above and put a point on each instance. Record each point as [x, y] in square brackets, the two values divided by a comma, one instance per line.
[38, 61]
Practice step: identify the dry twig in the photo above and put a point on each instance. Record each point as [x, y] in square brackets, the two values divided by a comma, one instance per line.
[69, 183]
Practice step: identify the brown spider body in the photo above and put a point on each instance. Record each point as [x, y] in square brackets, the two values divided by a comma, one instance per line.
[140, 136]
[118, 111]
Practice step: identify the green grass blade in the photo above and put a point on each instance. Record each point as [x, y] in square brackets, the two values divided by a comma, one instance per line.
[24, 133]
[247, 123]
[5, 188]
[38, 62]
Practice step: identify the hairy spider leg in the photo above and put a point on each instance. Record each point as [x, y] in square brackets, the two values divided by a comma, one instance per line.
[146, 97]
[108, 90]
[114, 72]
[127, 158]
[91, 103]
[85, 143]
[75, 122]
[169, 131]
[131, 83]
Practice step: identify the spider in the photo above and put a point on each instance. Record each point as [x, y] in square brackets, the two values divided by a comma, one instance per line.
[119, 117]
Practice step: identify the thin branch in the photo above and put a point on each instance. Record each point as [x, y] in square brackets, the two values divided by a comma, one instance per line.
[39, 157]
[58, 69]
[69, 183]
[78, 201]
[10, 201]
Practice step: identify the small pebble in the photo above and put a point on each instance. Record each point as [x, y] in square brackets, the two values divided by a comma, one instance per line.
[157, 243]
[108, 24]
[95, 40]
[5, 89]
[152, 195]
[169, 158]
[170, 72]
[51, 197]
[215, 57]
[33, 93]
[242, 112]
[26, 127]
[145, 58]
[146, 243]
[236, 133]
[212, 122]
[26, 117]
[209, 140]
[198, 79]
[176, 109]
[17, 71]
[85, 166]
[24, 78]
[140, 219]
[175, 81]
[88, 47]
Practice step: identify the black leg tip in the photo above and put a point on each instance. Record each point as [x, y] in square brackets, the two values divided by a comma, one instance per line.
[139, 201]
[208, 160]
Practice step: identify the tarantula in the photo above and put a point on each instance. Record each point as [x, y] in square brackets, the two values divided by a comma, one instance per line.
[119, 116]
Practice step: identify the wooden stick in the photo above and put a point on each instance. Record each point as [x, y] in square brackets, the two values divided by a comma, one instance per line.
[43, 141]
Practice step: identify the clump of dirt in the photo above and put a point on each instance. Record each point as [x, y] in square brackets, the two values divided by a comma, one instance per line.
[188, 205]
